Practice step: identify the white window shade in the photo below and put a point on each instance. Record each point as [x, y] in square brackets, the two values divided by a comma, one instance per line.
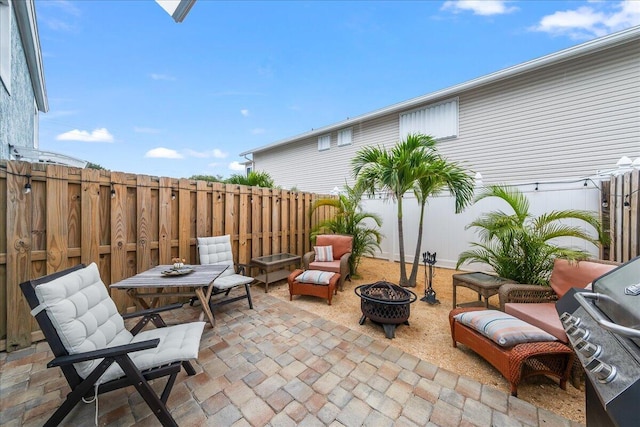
[344, 137]
[438, 120]
[324, 142]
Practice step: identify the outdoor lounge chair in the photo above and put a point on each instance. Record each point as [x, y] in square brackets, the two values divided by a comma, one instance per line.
[217, 250]
[338, 255]
[87, 335]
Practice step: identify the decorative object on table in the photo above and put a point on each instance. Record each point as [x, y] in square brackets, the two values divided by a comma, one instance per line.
[178, 263]
[385, 303]
[429, 294]
[178, 271]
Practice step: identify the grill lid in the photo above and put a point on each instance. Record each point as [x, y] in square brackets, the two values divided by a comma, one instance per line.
[621, 307]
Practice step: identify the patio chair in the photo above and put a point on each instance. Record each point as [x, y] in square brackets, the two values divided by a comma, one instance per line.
[331, 253]
[217, 250]
[95, 351]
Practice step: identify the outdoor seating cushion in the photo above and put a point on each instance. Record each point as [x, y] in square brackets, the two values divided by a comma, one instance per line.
[542, 314]
[333, 266]
[217, 250]
[323, 253]
[316, 277]
[502, 328]
[87, 319]
[575, 274]
[340, 244]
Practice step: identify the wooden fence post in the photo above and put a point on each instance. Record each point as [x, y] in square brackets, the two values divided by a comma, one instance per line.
[19, 218]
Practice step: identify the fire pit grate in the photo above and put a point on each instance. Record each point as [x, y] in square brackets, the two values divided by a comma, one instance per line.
[385, 303]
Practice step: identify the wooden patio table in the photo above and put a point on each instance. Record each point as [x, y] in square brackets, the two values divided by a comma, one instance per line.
[201, 280]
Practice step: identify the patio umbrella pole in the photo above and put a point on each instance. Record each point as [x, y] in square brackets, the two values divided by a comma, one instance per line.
[429, 293]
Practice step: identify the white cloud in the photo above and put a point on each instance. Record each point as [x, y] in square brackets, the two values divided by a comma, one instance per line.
[156, 76]
[479, 7]
[98, 135]
[258, 131]
[596, 20]
[244, 112]
[163, 153]
[236, 166]
[215, 153]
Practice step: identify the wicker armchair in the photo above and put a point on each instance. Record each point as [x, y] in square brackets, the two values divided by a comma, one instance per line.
[564, 276]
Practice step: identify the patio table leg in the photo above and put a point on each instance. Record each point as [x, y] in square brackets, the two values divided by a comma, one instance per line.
[204, 302]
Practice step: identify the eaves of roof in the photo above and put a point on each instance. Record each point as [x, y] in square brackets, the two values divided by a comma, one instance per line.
[26, 18]
[589, 47]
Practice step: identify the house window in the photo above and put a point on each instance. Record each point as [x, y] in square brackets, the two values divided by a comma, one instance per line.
[5, 43]
[344, 137]
[324, 142]
[438, 120]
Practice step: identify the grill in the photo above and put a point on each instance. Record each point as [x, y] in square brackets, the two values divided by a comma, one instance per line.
[386, 304]
[603, 326]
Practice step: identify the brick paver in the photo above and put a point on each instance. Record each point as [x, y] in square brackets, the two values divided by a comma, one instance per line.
[278, 365]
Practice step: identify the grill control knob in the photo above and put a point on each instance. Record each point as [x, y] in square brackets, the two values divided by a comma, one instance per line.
[587, 349]
[604, 372]
[569, 320]
[577, 333]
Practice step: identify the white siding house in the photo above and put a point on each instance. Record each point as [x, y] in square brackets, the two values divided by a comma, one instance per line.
[561, 116]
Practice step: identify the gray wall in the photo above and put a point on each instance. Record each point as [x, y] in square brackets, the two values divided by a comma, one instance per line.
[17, 110]
[567, 120]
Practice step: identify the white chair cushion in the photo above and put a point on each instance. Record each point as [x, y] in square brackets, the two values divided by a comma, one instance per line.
[84, 315]
[216, 250]
[231, 281]
[178, 342]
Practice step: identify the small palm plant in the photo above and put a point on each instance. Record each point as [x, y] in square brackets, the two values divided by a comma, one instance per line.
[520, 247]
[349, 219]
[252, 179]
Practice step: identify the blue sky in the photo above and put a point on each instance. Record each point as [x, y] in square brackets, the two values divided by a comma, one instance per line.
[134, 91]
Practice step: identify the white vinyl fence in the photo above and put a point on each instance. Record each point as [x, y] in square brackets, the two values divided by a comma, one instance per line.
[444, 231]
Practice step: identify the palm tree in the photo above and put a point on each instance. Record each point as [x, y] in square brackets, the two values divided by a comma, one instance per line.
[440, 174]
[520, 247]
[349, 219]
[411, 165]
[252, 179]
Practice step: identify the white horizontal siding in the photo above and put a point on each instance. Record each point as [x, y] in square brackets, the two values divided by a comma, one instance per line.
[568, 120]
[301, 165]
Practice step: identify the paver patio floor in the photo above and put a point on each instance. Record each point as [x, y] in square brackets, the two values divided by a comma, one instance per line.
[278, 365]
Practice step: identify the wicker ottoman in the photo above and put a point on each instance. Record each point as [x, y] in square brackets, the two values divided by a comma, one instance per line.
[517, 362]
[323, 291]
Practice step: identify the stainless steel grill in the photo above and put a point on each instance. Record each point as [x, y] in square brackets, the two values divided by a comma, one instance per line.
[604, 327]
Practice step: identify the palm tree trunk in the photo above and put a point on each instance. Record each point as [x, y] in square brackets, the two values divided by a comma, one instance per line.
[416, 258]
[403, 272]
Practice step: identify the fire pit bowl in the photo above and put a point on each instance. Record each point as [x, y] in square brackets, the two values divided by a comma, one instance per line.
[385, 303]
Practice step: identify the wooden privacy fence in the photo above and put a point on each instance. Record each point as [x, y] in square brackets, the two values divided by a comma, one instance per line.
[127, 223]
[622, 199]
